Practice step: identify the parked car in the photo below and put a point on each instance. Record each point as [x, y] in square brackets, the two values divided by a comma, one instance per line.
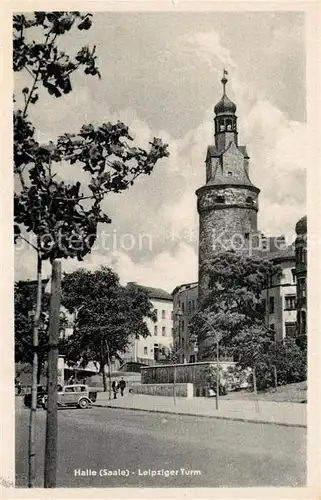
[41, 391]
[73, 395]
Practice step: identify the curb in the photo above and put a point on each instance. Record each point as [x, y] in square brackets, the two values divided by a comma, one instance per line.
[219, 417]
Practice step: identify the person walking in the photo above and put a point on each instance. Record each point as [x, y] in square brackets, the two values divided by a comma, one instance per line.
[19, 387]
[122, 386]
[114, 388]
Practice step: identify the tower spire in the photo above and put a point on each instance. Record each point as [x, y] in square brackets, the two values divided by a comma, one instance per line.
[224, 80]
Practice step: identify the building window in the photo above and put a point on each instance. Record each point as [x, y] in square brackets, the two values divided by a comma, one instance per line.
[271, 305]
[290, 329]
[220, 199]
[155, 330]
[182, 325]
[183, 307]
[156, 312]
[163, 314]
[145, 350]
[247, 236]
[172, 315]
[249, 200]
[229, 173]
[163, 331]
[183, 342]
[290, 302]
[293, 276]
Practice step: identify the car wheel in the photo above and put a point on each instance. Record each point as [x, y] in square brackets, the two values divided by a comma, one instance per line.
[83, 403]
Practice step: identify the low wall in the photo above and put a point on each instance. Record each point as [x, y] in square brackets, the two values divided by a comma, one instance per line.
[188, 373]
[181, 390]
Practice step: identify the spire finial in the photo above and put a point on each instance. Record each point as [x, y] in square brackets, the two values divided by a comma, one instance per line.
[224, 79]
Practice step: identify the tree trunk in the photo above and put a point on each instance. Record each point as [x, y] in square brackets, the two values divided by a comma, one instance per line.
[52, 417]
[35, 342]
[275, 377]
[254, 381]
[102, 364]
[109, 367]
[255, 391]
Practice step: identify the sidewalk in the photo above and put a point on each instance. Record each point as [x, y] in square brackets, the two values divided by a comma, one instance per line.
[289, 414]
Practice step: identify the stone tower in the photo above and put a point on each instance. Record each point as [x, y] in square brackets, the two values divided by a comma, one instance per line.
[228, 203]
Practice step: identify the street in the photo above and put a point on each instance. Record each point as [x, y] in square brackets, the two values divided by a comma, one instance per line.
[104, 447]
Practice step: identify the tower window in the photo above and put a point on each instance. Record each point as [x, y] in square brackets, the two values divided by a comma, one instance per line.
[249, 200]
[220, 199]
[246, 236]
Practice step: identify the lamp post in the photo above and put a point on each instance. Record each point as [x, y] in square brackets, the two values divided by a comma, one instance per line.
[178, 314]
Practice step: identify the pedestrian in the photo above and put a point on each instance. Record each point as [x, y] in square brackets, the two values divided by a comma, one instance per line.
[122, 385]
[114, 388]
[19, 387]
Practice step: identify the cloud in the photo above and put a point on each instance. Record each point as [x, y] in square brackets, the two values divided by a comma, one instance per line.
[209, 48]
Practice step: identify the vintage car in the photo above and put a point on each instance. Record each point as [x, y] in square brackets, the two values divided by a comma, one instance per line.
[73, 395]
[41, 391]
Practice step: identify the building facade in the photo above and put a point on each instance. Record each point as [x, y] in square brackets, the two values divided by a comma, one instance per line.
[155, 347]
[301, 276]
[185, 298]
[280, 296]
[228, 202]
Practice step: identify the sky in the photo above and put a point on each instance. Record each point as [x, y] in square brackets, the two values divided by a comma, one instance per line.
[161, 75]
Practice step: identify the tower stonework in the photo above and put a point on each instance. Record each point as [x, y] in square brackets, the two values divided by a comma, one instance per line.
[228, 202]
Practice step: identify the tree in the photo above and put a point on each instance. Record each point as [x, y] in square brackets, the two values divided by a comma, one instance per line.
[63, 217]
[107, 316]
[25, 293]
[24, 309]
[234, 308]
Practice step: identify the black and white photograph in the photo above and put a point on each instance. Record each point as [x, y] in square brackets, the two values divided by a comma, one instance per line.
[161, 223]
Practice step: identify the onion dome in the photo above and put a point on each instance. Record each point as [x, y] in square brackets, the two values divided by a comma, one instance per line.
[225, 105]
[301, 226]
